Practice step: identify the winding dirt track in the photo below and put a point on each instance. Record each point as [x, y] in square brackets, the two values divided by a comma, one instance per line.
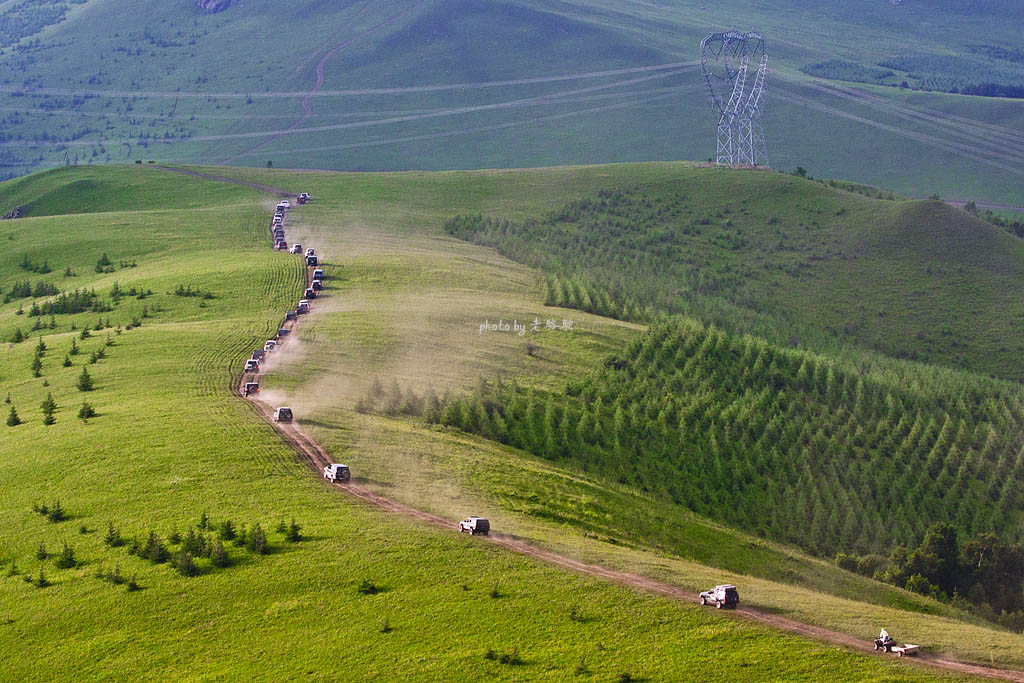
[314, 454]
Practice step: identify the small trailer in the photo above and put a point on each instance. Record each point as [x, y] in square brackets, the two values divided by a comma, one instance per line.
[889, 645]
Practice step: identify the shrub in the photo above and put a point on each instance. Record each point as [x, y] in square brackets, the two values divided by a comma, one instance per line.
[13, 570]
[204, 521]
[41, 580]
[192, 543]
[847, 562]
[12, 418]
[367, 587]
[385, 626]
[41, 553]
[185, 565]
[494, 592]
[56, 513]
[174, 538]
[113, 538]
[86, 411]
[490, 655]
[67, 361]
[66, 559]
[257, 542]
[115, 576]
[511, 658]
[294, 532]
[155, 551]
[226, 530]
[133, 584]
[918, 584]
[219, 556]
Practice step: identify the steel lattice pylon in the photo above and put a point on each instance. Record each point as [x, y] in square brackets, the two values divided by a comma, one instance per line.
[739, 138]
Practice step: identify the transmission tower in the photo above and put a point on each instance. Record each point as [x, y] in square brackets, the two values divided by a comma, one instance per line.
[739, 138]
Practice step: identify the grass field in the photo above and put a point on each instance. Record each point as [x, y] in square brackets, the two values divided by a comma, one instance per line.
[170, 442]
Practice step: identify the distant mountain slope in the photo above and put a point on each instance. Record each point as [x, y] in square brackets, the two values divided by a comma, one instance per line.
[311, 84]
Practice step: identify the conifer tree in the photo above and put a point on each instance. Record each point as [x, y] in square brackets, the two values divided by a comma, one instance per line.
[84, 381]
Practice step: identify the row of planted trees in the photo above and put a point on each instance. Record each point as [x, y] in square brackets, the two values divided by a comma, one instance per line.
[777, 441]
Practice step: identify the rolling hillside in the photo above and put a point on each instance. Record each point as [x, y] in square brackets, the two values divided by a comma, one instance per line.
[425, 84]
[171, 455]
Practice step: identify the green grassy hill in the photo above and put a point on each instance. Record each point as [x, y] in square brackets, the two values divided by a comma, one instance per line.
[169, 442]
[410, 320]
[912, 279]
[106, 85]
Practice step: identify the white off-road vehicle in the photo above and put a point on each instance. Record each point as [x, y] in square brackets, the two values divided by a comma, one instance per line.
[336, 472]
[475, 525]
[283, 415]
[721, 596]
